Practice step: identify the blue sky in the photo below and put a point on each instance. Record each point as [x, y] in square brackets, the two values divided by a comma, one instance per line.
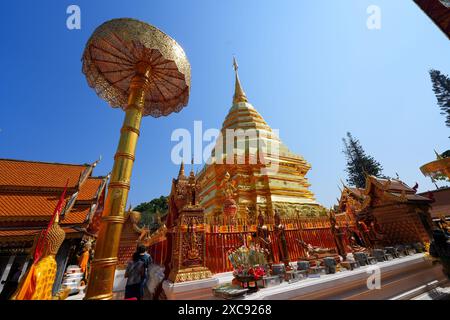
[311, 68]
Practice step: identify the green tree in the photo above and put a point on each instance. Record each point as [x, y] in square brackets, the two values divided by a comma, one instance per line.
[441, 88]
[359, 163]
[149, 210]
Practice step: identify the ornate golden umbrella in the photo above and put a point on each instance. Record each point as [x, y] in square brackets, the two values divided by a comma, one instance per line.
[439, 167]
[134, 66]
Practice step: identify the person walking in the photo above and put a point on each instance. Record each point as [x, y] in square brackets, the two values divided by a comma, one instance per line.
[135, 273]
[147, 260]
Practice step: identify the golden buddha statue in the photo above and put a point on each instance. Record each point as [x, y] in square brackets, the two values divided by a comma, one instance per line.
[39, 281]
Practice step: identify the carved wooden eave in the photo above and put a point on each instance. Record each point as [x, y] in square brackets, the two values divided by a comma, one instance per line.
[387, 192]
[348, 192]
[374, 190]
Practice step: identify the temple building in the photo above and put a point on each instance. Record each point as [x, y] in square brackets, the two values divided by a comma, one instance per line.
[440, 206]
[351, 200]
[392, 212]
[29, 193]
[267, 176]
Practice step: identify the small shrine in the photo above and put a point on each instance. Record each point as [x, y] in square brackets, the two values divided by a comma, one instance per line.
[187, 231]
[388, 212]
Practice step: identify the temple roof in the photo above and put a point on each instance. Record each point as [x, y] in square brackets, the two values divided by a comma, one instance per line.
[78, 215]
[14, 235]
[398, 188]
[20, 173]
[356, 191]
[29, 206]
[393, 185]
[89, 189]
[393, 190]
[30, 190]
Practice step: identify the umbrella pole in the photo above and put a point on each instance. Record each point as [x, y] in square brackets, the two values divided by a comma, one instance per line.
[101, 278]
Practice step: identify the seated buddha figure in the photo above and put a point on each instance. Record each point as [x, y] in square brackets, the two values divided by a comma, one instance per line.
[39, 281]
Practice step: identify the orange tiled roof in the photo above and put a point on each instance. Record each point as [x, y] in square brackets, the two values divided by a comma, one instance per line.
[395, 185]
[28, 233]
[18, 233]
[19, 173]
[77, 215]
[18, 207]
[32, 205]
[89, 189]
[33, 196]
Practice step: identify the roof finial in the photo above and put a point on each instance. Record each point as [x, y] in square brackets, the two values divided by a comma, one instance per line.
[239, 94]
[438, 156]
[181, 172]
[192, 167]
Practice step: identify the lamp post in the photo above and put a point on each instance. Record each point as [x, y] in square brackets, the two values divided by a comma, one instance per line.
[134, 66]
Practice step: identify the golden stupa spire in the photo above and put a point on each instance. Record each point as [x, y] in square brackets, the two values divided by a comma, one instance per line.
[239, 94]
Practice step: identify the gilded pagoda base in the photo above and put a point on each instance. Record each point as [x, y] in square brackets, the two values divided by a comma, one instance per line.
[189, 274]
[295, 210]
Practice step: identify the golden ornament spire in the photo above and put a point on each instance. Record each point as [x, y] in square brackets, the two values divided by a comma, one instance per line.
[181, 172]
[191, 174]
[239, 94]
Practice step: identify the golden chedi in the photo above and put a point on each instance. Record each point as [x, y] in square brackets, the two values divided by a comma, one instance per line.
[39, 281]
[267, 175]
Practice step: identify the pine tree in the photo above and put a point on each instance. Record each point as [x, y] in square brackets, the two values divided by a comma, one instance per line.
[359, 163]
[441, 88]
